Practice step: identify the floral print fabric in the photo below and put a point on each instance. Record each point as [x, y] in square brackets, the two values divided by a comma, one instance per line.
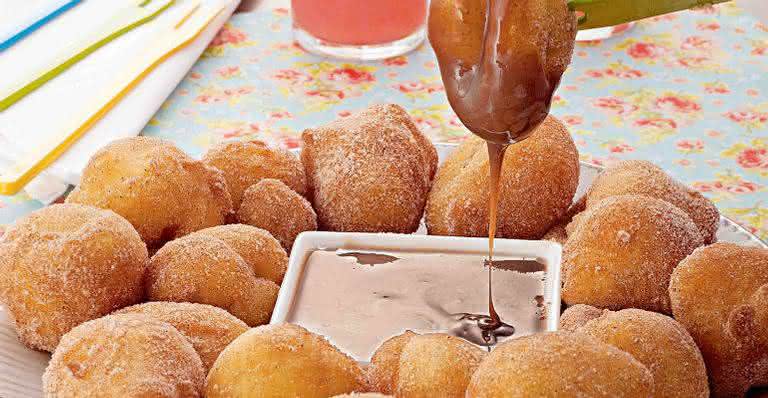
[686, 91]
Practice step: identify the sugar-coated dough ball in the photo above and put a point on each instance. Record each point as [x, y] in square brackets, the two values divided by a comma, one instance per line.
[163, 192]
[384, 368]
[369, 172]
[283, 360]
[436, 365]
[245, 163]
[640, 177]
[210, 329]
[577, 315]
[124, 356]
[720, 294]
[621, 252]
[658, 342]
[362, 395]
[273, 206]
[66, 264]
[260, 250]
[559, 364]
[202, 269]
[538, 180]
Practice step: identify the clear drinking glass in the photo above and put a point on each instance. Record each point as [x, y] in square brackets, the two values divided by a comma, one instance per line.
[359, 29]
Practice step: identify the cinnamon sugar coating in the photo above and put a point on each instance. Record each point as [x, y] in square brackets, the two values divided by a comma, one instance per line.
[436, 365]
[210, 329]
[720, 294]
[128, 355]
[203, 269]
[640, 177]
[658, 342]
[621, 252]
[245, 163]
[369, 172]
[283, 360]
[559, 364]
[66, 264]
[538, 180]
[273, 206]
[158, 188]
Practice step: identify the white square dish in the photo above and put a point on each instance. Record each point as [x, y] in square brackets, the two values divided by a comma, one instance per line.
[545, 252]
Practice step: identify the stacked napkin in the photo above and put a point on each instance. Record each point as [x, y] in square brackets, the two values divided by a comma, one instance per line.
[41, 114]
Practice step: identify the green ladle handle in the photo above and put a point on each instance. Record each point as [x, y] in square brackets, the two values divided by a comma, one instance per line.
[602, 13]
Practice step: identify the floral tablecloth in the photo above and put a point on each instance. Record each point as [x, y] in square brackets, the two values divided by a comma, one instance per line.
[686, 91]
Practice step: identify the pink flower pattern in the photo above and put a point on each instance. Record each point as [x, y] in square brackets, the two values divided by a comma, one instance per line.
[682, 90]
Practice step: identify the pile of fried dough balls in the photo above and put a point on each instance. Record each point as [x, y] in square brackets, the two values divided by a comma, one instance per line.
[159, 273]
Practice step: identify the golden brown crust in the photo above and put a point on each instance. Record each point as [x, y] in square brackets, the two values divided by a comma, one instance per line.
[719, 293]
[283, 360]
[559, 364]
[658, 342]
[245, 163]
[128, 355]
[66, 264]
[273, 206]
[539, 178]
[260, 250]
[209, 329]
[202, 269]
[385, 364]
[621, 252]
[436, 365]
[369, 172]
[163, 192]
[640, 177]
[577, 315]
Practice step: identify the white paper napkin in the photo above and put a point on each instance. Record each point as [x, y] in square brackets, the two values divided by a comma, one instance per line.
[33, 119]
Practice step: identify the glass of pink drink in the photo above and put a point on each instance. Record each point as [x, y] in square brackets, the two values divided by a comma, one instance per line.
[359, 29]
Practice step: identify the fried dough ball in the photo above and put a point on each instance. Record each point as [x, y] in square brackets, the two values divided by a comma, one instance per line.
[621, 252]
[559, 364]
[163, 192]
[577, 315]
[202, 269]
[245, 163]
[384, 368]
[369, 172]
[436, 365]
[658, 342]
[128, 355]
[534, 46]
[210, 329]
[640, 177]
[362, 395]
[66, 264]
[272, 205]
[260, 250]
[283, 361]
[559, 232]
[538, 180]
[720, 294]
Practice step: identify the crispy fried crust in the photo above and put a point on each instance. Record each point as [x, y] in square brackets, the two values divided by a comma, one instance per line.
[369, 172]
[720, 294]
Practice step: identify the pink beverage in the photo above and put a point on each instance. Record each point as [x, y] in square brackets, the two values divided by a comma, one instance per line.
[359, 29]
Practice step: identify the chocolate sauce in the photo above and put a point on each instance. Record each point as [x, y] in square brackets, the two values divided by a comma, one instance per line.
[496, 159]
[499, 85]
[525, 266]
[370, 258]
[496, 80]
